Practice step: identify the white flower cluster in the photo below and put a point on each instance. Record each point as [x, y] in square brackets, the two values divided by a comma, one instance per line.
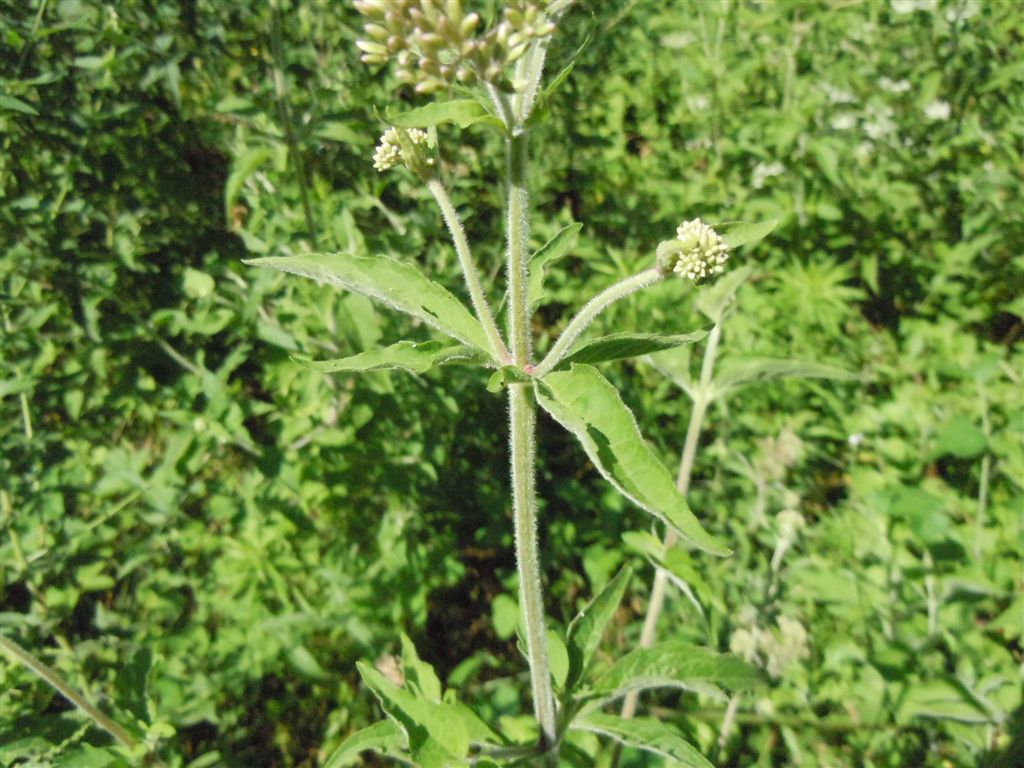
[777, 649]
[389, 151]
[700, 252]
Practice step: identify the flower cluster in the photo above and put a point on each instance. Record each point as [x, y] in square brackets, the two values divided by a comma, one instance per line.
[776, 650]
[698, 252]
[402, 147]
[435, 44]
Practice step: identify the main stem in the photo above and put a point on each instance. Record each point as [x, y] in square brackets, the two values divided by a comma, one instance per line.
[701, 400]
[523, 426]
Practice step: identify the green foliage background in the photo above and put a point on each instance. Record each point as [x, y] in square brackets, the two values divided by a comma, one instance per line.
[205, 537]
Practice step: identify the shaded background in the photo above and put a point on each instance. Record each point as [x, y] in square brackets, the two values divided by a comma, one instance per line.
[200, 533]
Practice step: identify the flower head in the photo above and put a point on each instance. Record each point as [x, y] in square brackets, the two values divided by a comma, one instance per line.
[399, 146]
[698, 252]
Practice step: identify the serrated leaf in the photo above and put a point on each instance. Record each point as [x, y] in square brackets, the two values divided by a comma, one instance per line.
[673, 664]
[618, 346]
[395, 283]
[743, 233]
[553, 250]
[384, 736]
[462, 112]
[644, 733]
[585, 631]
[417, 357]
[735, 374]
[430, 727]
[587, 405]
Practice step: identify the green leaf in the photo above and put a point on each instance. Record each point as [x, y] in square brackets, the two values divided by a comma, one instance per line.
[586, 404]
[384, 736]
[554, 249]
[430, 726]
[960, 437]
[558, 658]
[241, 170]
[586, 630]
[673, 664]
[417, 357]
[941, 700]
[12, 104]
[717, 297]
[419, 676]
[734, 374]
[743, 233]
[395, 283]
[644, 733]
[618, 346]
[507, 374]
[462, 112]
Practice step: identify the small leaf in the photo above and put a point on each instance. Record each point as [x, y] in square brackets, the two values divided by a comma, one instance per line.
[673, 664]
[558, 659]
[431, 728]
[384, 737]
[553, 250]
[419, 675]
[618, 346]
[507, 374]
[417, 357]
[735, 374]
[743, 233]
[586, 404]
[644, 733]
[462, 112]
[395, 283]
[13, 104]
[585, 631]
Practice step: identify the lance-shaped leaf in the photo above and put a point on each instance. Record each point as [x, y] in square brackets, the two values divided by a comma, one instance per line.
[553, 250]
[644, 733]
[586, 629]
[417, 357]
[732, 375]
[384, 737]
[618, 346]
[462, 112]
[586, 404]
[392, 282]
[432, 728]
[672, 664]
[744, 233]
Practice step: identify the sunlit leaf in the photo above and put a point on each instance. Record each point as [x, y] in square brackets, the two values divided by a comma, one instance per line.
[587, 405]
[417, 357]
[462, 112]
[743, 233]
[644, 733]
[585, 631]
[384, 736]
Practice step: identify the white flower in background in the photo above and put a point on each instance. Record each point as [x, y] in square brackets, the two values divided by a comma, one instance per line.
[698, 103]
[744, 643]
[698, 252]
[764, 171]
[962, 11]
[894, 86]
[909, 6]
[863, 150]
[937, 110]
[837, 95]
[785, 646]
[880, 123]
[855, 439]
[843, 122]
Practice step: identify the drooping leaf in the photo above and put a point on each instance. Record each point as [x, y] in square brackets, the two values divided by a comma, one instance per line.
[395, 283]
[417, 357]
[744, 233]
[585, 631]
[672, 664]
[644, 733]
[384, 736]
[462, 112]
[587, 405]
[732, 375]
[553, 250]
[431, 728]
[618, 346]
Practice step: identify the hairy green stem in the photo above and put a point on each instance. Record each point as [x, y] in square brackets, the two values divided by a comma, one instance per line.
[61, 686]
[469, 271]
[522, 418]
[701, 401]
[518, 231]
[590, 311]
